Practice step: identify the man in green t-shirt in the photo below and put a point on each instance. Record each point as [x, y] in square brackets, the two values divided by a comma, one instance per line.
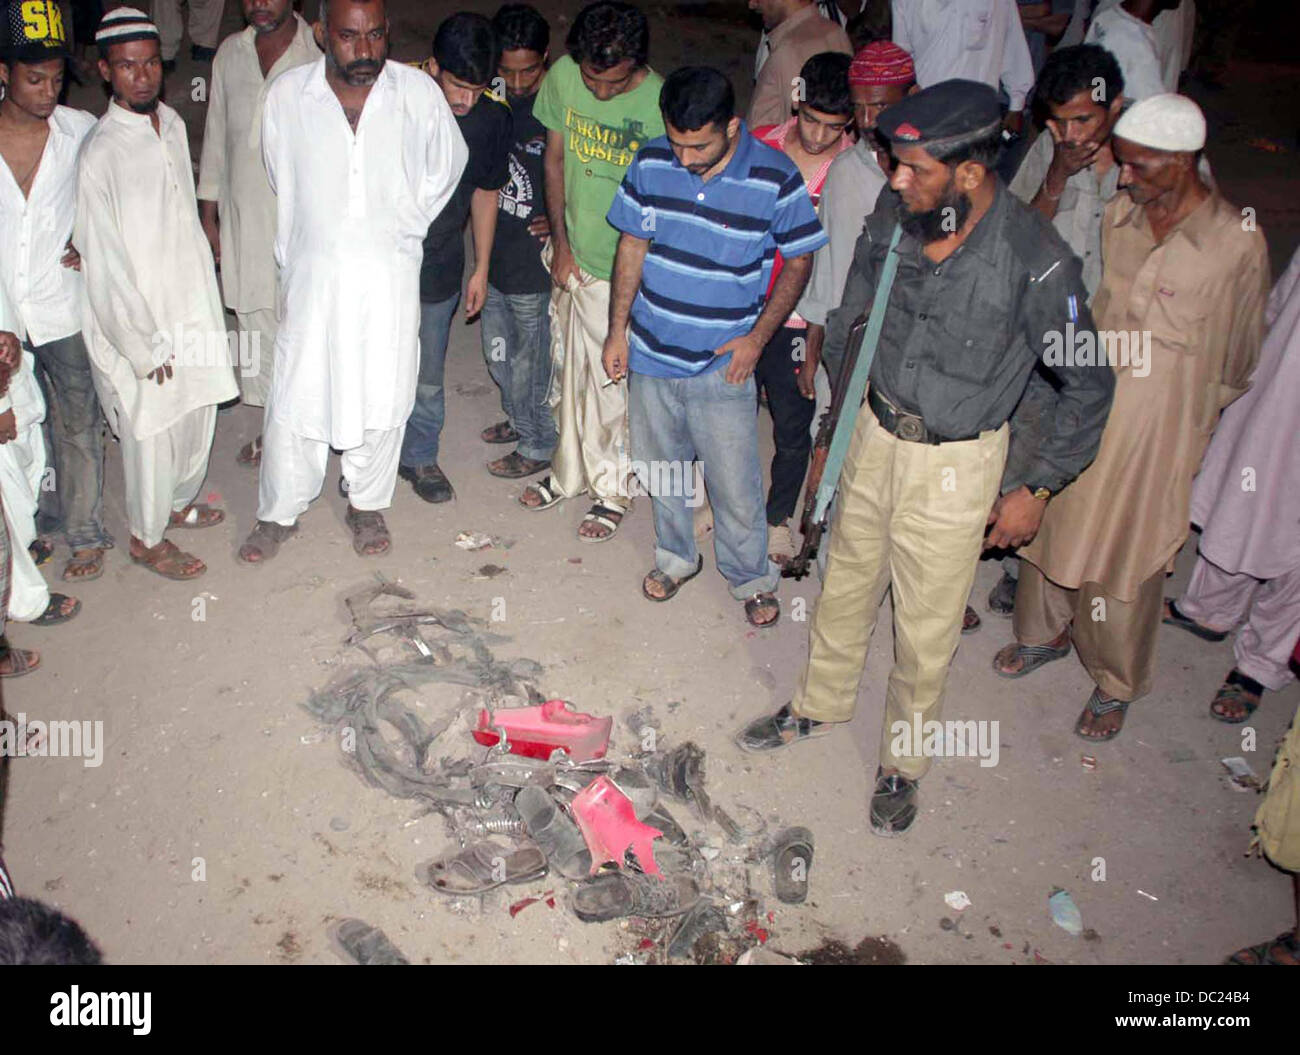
[599, 104]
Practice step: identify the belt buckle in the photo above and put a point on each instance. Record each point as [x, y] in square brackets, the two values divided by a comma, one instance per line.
[910, 428]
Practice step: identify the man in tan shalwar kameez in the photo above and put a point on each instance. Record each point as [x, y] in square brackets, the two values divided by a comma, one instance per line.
[1183, 267]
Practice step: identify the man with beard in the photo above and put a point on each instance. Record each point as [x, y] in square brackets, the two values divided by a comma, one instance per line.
[1186, 277]
[362, 154]
[703, 212]
[235, 197]
[980, 278]
[153, 321]
[39, 141]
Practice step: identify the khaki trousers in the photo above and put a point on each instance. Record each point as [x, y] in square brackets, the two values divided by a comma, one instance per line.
[256, 354]
[591, 418]
[1116, 640]
[911, 515]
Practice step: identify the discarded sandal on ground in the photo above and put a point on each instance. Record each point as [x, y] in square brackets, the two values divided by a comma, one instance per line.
[365, 945]
[482, 867]
[615, 895]
[554, 832]
[1099, 706]
[792, 855]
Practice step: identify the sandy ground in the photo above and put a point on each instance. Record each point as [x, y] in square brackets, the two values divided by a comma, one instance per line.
[210, 756]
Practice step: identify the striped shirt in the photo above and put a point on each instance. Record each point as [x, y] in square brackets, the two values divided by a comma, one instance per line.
[712, 245]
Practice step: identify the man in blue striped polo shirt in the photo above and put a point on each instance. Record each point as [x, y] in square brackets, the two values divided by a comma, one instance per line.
[702, 212]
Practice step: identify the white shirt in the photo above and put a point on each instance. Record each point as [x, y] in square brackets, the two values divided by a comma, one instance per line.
[34, 232]
[231, 170]
[352, 213]
[151, 288]
[1134, 45]
[976, 40]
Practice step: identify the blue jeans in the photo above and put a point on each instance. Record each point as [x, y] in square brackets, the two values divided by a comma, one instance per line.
[74, 443]
[516, 332]
[424, 426]
[673, 423]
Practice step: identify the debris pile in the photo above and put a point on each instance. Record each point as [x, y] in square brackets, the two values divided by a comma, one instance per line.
[544, 798]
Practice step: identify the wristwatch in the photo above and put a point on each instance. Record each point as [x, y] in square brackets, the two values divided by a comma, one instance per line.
[1041, 493]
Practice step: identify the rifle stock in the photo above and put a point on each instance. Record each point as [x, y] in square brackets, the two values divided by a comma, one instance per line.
[812, 528]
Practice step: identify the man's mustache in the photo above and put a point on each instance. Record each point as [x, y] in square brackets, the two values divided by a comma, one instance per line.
[362, 66]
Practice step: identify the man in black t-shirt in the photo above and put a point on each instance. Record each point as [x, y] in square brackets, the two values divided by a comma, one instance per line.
[464, 60]
[516, 327]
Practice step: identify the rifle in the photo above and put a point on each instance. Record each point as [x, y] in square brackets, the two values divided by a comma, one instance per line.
[810, 525]
[833, 435]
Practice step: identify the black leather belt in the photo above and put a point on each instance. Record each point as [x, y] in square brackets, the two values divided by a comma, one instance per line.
[903, 425]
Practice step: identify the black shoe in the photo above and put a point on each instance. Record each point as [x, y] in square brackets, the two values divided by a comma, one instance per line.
[169, 66]
[429, 482]
[782, 729]
[201, 54]
[893, 804]
[1002, 598]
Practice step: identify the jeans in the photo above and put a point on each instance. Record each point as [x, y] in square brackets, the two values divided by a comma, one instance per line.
[674, 422]
[74, 436]
[424, 426]
[516, 332]
[792, 416]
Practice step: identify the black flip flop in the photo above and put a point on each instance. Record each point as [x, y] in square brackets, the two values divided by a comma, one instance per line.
[52, 616]
[670, 585]
[1178, 619]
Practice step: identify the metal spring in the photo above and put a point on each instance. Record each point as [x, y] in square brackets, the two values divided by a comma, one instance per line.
[495, 826]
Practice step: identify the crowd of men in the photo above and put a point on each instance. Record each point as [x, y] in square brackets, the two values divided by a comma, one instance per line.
[1034, 337]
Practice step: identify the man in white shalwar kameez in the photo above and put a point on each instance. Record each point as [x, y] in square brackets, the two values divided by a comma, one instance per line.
[153, 320]
[235, 197]
[362, 154]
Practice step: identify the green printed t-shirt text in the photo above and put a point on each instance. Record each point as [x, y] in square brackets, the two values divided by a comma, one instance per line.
[600, 141]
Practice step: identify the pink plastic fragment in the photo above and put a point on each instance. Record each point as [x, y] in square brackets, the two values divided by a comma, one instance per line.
[535, 732]
[608, 822]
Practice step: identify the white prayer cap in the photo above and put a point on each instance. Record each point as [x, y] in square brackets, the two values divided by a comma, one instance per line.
[123, 24]
[1163, 122]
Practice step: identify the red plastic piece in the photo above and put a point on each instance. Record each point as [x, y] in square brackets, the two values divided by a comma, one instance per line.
[608, 822]
[535, 732]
